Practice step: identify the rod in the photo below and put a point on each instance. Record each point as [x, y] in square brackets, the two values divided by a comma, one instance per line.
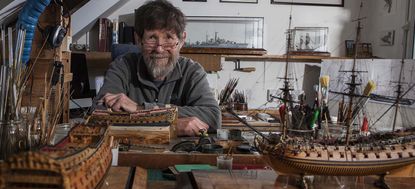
[10, 45]
[247, 124]
[3, 44]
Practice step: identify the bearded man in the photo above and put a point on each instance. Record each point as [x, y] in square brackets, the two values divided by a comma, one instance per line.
[159, 75]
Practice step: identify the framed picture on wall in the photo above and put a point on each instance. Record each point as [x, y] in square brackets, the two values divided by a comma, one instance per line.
[386, 38]
[333, 3]
[309, 39]
[196, 0]
[239, 1]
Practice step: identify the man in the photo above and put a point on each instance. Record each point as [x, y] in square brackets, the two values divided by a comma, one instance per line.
[159, 75]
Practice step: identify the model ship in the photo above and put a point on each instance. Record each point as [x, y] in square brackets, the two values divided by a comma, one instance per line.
[153, 126]
[81, 160]
[151, 117]
[354, 155]
[217, 42]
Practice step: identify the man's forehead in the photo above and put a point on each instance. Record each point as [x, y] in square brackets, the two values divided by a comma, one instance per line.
[160, 31]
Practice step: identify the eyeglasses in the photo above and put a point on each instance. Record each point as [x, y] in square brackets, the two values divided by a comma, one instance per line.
[153, 43]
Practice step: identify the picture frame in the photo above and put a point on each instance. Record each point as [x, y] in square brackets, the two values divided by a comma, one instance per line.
[309, 39]
[386, 38]
[364, 50]
[331, 3]
[239, 1]
[196, 0]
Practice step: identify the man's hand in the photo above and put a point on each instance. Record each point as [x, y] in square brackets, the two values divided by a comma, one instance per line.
[119, 102]
[190, 126]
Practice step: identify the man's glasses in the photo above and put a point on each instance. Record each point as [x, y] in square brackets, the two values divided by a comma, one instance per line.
[153, 43]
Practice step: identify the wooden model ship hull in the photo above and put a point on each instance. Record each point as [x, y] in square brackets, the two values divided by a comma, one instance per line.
[338, 161]
[155, 126]
[80, 161]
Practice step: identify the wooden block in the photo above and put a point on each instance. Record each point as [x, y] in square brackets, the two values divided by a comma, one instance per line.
[210, 62]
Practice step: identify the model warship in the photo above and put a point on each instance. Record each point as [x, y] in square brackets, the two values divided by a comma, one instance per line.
[153, 126]
[356, 155]
[81, 160]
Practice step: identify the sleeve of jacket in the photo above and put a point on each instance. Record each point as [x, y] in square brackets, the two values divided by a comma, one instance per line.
[200, 101]
[116, 79]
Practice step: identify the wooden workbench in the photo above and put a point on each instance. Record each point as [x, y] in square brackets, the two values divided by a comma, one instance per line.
[249, 179]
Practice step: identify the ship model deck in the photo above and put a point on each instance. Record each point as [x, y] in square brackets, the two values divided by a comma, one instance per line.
[154, 126]
[81, 160]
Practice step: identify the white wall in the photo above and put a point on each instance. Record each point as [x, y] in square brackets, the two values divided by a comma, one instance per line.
[255, 84]
[381, 20]
[275, 16]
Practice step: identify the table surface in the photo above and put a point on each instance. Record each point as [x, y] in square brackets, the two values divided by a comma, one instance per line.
[249, 179]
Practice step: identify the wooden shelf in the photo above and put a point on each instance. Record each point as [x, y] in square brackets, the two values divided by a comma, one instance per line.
[220, 51]
[277, 58]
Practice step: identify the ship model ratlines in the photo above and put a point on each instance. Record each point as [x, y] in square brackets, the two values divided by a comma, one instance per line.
[352, 156]
[81, 160]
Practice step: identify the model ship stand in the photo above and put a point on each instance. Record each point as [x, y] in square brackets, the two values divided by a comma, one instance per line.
[155, 126]
[81, 160]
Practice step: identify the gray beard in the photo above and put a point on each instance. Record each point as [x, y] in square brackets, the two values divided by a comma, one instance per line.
[160, 71]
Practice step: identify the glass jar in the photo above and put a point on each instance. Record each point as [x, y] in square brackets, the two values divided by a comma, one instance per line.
[61, 131]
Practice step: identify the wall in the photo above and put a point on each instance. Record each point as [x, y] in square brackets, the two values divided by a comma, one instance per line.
[382, 20]
[255, 84]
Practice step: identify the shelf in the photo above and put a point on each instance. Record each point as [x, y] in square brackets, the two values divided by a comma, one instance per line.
[277, 58]
[221, 51]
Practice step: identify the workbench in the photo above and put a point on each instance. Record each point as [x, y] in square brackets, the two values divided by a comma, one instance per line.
[136, 167]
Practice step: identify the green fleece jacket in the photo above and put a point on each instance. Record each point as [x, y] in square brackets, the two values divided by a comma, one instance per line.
[186, 86]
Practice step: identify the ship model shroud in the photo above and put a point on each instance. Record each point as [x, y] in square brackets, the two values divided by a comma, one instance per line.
[154, 126]
[81, 160]
[374, 154]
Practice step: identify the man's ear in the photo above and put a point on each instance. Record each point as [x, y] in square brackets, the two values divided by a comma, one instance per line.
[183, 39]
[137, 40]
[184, 36]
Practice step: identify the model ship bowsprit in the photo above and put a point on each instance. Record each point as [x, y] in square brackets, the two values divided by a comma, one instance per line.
[153, 126]
[81, 160]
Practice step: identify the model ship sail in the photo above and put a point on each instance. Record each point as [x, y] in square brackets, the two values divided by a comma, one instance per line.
[80, 160]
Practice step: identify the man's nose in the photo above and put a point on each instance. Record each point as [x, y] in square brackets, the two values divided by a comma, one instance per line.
[159, 48]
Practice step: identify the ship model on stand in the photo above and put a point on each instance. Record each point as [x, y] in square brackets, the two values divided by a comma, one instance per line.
[353, 154]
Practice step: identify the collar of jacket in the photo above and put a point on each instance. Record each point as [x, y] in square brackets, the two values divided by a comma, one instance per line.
[145, 78]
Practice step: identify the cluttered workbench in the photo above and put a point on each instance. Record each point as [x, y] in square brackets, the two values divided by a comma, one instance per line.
[206, 161]
[150, 166]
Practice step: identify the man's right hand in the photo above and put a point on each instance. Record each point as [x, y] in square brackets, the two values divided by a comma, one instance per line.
[119, 102]
[190, 126]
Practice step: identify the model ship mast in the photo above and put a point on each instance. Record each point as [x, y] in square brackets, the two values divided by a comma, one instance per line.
[353, 84]
[399, 89]
[286, 89]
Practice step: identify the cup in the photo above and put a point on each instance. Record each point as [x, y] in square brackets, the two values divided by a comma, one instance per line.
[224, 162]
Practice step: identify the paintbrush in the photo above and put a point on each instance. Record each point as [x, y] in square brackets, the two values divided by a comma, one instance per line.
[370, 87]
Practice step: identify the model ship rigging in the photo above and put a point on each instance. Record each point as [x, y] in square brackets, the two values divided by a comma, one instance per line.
[353, 156]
